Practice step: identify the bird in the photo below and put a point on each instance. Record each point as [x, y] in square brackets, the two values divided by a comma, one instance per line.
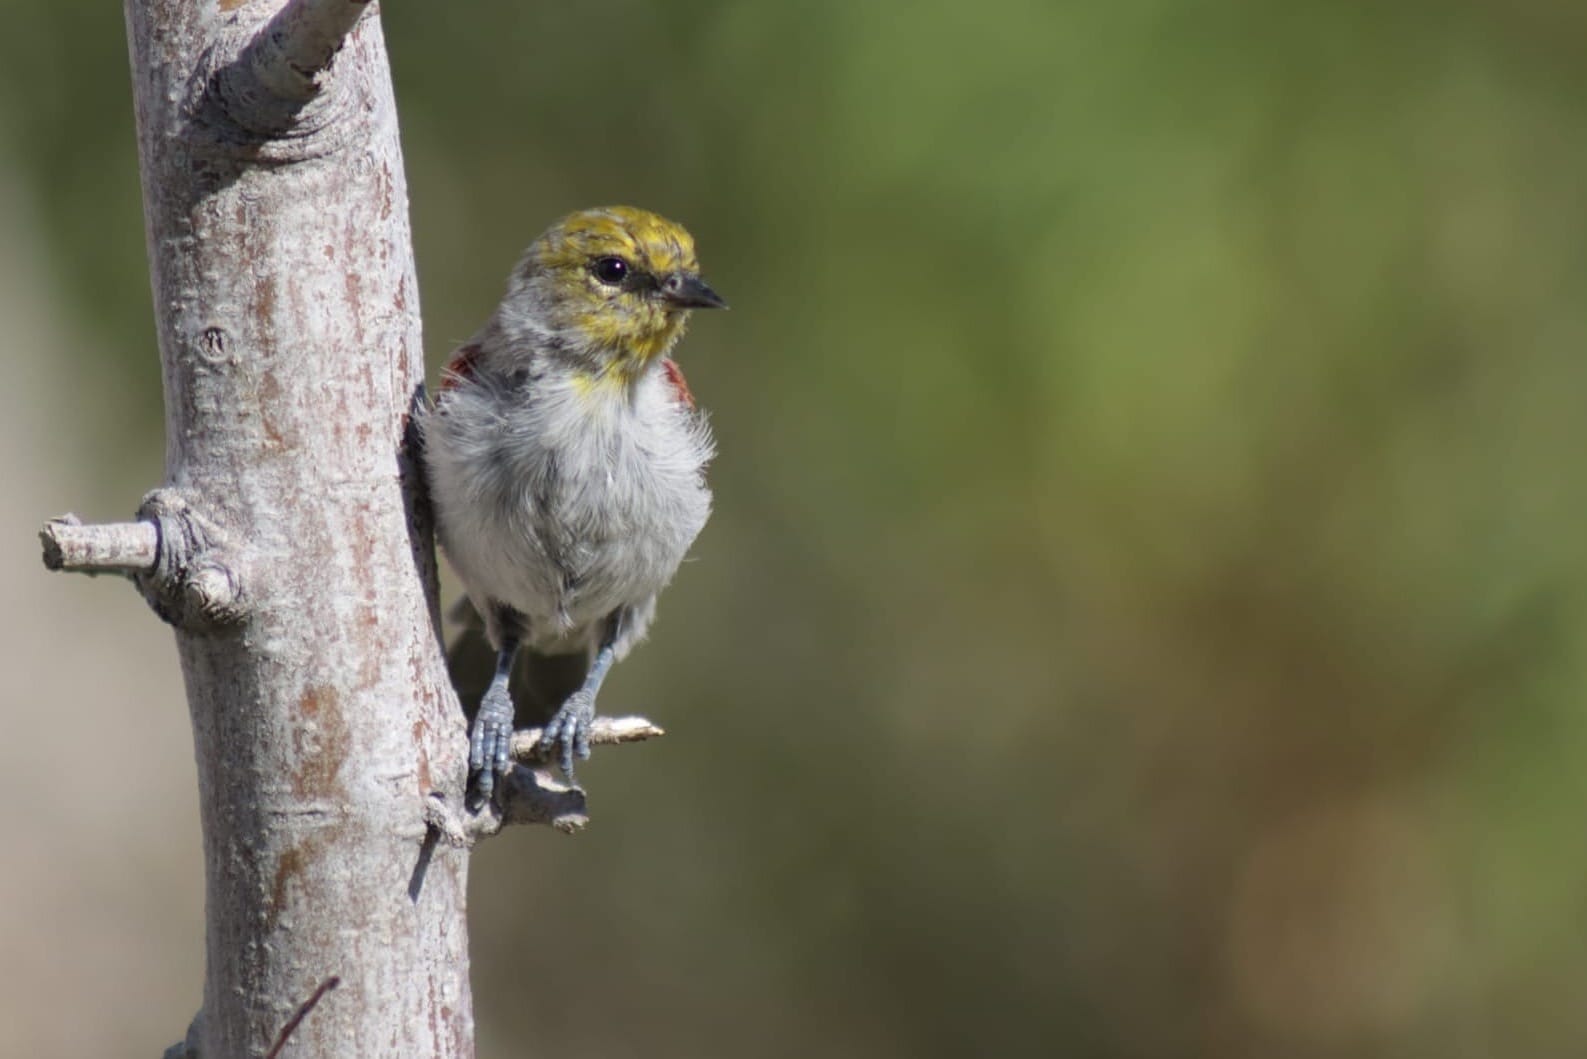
[566, 462]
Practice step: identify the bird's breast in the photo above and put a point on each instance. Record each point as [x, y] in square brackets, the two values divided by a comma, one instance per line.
[568, 505]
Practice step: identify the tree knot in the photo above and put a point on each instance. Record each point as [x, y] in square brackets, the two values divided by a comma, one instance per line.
[195, 582]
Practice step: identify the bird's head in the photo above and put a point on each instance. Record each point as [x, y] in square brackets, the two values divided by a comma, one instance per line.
[611, 287]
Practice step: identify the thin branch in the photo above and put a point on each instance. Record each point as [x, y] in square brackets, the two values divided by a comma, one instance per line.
[604, 731]
[268, 85]
[299, 43]
[533, 792]
[176, 556]
[536, 795]
[113, 548]
[527, 795]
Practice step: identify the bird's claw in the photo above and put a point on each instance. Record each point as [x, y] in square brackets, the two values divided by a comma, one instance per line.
[567, 734]
[490, 740]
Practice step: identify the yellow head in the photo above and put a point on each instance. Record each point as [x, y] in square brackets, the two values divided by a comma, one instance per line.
[612, 286]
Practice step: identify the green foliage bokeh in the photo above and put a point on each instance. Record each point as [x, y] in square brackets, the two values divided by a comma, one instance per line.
[1143, 613]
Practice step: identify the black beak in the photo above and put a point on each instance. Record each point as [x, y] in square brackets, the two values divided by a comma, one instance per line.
[685, 291]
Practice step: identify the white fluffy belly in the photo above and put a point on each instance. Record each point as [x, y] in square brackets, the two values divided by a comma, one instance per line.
[564, 504]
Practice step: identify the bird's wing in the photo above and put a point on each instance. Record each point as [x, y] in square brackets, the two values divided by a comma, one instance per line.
[460, 367]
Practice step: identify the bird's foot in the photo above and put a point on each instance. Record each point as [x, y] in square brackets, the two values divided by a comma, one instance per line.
[567, 734]
[490, 740]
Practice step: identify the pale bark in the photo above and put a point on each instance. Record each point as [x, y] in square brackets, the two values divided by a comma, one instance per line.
[324, 723]
[290, 546]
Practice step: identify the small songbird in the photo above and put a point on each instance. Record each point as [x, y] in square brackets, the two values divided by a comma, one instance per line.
[567, 460]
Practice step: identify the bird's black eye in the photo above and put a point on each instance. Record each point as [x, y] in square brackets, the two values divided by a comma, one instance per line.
[610, 270]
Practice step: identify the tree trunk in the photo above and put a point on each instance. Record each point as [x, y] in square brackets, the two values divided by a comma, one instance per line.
[323, 719]
[291, 548]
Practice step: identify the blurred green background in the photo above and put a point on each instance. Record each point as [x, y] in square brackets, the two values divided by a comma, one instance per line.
[1144, 610]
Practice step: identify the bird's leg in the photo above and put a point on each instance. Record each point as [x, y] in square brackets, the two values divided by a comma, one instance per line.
[568, 731]
[492, 734]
